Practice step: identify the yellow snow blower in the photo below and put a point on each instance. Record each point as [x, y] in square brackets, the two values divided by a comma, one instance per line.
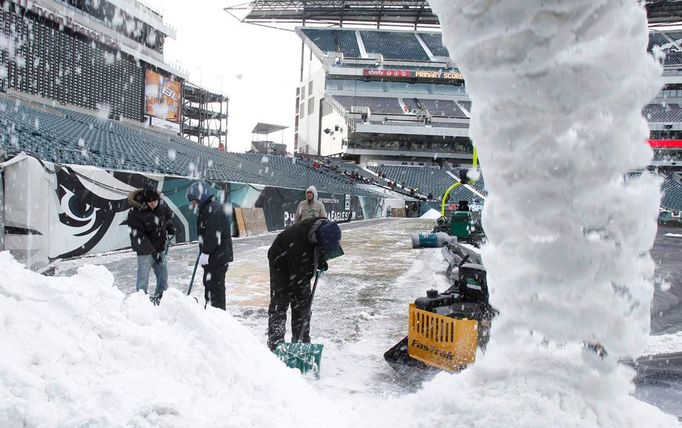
[446, 329]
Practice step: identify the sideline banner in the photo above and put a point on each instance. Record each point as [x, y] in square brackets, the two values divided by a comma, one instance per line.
[27, 222]
[60, 211]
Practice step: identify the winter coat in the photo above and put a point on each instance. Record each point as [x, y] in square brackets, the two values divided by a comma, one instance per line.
[148, 226]
[214, 232]
[295, 250]
[309, 209]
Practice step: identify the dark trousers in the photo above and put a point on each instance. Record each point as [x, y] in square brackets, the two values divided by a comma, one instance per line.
[285, 291]
[214, 285]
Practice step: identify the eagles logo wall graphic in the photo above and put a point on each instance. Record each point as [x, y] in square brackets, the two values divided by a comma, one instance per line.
[90, 206]
[93, 207]
[58, 211]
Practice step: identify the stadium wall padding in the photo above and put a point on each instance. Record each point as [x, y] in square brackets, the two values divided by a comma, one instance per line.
[61, 211]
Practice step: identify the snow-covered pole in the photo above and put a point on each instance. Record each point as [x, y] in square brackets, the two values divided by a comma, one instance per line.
[557, 89]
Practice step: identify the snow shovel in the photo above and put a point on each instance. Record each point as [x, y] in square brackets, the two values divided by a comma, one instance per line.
[303, 356]
[194, 272]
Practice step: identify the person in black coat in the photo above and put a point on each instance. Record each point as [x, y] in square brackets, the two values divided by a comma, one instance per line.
[150, 222]
[294, 256]
[215, 242]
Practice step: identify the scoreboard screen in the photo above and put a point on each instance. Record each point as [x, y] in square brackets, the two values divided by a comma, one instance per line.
[415, 74]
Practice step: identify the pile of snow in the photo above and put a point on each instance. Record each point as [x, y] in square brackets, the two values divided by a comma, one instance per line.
[673, 235]
[557, 90]
[431, 214]
[540, 387]
[77, 352]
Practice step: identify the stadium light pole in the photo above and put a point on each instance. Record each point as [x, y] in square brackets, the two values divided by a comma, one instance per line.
[302, 52]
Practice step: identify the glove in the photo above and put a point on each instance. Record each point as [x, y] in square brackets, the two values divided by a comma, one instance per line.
[158, 257]
[323, 266]
[203, 259]
[170, 230]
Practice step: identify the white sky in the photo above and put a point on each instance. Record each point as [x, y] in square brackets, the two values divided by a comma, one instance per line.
[257, 67]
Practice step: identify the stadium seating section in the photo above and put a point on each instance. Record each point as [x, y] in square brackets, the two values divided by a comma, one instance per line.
[389, 105]
[673, 59]
[672, 194]
[656, 39]
[466, 105]
[444, 108]
[406, 47]
[435, 43]
[394, 45]
[671, 189]
[68, 69]
[351, 169]
[376, 104]
[412, 146]
[68, 137]
[334, 41]
[425, 180]
[672, 56]
[667, 113]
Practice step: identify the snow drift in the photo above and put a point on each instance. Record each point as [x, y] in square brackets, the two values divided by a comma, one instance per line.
[77, 352]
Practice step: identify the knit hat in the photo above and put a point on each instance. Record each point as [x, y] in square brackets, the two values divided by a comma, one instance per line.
[198, 191]
[328, 237]
[149, 194]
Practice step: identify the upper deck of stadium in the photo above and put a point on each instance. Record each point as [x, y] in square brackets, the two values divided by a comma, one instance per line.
[422, 48]
[397, 93]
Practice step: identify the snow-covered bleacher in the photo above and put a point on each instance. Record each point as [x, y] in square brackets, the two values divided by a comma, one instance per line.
[68, 137]
[333, 40]
[375, 104]
[667, 113]
[394, 45]
[434, 42]
[672, 194]
[444, 108]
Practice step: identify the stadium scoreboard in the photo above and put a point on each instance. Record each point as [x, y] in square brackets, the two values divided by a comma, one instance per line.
[415, 74]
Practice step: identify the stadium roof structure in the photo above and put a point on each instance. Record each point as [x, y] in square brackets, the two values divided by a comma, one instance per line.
[395, 12]
[664, 11]
[195, 93]
[267, 128]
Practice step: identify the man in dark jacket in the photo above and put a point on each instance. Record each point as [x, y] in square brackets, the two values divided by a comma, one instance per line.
[150, 221]
[215, 242]
[294, 256]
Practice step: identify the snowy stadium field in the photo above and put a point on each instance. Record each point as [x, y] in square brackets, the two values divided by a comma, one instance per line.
[360, 308]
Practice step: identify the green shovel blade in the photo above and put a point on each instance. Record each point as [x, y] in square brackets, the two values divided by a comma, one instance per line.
[303, 356]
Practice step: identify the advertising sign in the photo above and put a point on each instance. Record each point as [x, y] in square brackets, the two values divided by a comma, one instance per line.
[161, 96]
